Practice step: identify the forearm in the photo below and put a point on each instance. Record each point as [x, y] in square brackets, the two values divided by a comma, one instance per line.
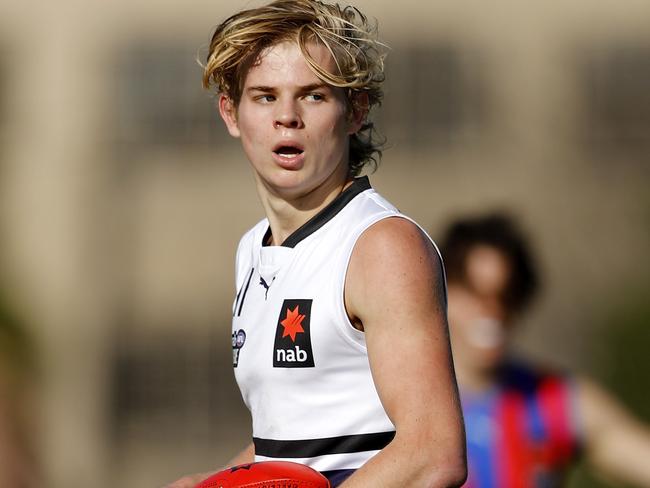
[624, 456]
[616, 443]
[246, 455]
[402, 466]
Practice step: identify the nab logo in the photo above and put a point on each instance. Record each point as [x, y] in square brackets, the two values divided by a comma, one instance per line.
[292, 347]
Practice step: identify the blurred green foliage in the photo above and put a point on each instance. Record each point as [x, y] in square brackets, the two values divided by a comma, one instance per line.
[16, 347]
[627, 336]
[624, 336]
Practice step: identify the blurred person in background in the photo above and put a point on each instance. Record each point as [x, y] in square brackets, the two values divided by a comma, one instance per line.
[18, 467]
[525, 424]
[334, 322]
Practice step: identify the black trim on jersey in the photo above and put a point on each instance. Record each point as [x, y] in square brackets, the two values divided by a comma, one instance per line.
[234, 308]
[328, 213]
[319, 447]
[241, 304]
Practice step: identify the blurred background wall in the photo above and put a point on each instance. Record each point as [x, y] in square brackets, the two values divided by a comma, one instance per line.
[122, 200]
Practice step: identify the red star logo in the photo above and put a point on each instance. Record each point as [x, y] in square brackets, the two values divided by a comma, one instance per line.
[292, 323]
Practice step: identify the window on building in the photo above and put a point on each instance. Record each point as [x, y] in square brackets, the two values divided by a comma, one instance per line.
[615, 85]
[160, 100]
[434, 97]
[172, 384]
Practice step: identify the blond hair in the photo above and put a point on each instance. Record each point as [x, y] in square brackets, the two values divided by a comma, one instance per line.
[346, 33]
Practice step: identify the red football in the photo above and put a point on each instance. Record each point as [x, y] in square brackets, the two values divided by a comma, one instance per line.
[267, 474]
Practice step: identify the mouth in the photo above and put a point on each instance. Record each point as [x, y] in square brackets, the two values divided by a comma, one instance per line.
[288, 151]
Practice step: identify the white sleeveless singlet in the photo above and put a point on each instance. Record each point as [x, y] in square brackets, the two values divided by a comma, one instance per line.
[301, 366]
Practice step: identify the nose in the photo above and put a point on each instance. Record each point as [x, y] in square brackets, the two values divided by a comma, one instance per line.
[287, 115]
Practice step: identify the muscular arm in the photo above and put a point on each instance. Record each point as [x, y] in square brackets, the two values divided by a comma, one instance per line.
[616, 444]
[395, 293]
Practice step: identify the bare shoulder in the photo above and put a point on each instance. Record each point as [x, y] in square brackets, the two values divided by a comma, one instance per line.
[393, 260]
[395, 238]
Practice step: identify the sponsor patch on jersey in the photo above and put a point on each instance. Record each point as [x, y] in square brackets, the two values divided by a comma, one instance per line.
[238, 340]
[292, 348]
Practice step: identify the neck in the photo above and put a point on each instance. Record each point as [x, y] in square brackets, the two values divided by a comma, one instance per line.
[286, 215]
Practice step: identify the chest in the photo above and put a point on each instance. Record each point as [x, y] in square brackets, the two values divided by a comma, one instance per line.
[286, 308]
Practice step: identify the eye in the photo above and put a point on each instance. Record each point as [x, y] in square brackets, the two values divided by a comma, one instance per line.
[266, 98]
[315, 97]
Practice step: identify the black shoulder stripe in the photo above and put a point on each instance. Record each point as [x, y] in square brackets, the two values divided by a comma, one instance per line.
[319, 447]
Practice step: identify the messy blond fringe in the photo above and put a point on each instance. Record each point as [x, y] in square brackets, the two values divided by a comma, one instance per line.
[346, 33]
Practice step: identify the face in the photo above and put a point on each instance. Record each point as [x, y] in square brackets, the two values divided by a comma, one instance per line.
[479, 320]
[294, 128]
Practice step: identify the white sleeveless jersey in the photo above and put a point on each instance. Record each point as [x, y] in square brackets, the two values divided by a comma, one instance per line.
[300, 364]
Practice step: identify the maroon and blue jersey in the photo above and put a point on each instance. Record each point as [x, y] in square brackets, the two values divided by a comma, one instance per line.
[522, 433]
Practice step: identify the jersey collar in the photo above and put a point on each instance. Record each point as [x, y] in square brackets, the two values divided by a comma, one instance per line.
[358, 185]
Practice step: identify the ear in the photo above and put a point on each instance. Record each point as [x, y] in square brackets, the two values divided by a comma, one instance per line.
[359, 112]
[228, 112]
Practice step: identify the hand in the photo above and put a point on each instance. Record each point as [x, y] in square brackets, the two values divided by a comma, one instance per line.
[189, 481]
